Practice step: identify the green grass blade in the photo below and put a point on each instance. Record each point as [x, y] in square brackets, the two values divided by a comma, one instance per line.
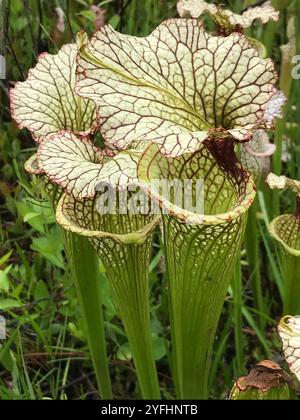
[84, 265]
[252, 247]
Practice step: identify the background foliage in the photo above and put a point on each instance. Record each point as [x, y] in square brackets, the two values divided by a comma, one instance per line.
[45, 355]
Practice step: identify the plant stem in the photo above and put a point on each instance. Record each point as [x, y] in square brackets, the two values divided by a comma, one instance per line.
[84, 264]
[285, 85]
[269, 35]
[277, 161]
[237, 288]
[200, 262]
[271, 27]
[127, 271]
[286, 230]
[123, 242]
[291, 283]
[252, 247]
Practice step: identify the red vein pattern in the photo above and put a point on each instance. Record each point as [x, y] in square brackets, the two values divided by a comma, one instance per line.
[286, 230]
[289, 331]
[78, 167]
[174, 86]
[201, 251]
[46, 103]
[226, 195]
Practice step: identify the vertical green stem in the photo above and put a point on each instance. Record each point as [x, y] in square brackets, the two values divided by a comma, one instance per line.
[252, 247]
[237, 288]
[277, 162]
[123, 242]
[285, 85]
[248, 3]
[84, 264]
[286, 230]
[127, 271]
[271, 27]
[269, 35]
[200, 262]
[291, 283]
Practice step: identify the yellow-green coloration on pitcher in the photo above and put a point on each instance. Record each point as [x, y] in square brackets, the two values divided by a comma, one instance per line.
[169, 106]
[123, 242]
[286, 231]
[46, 104]
[201, 251]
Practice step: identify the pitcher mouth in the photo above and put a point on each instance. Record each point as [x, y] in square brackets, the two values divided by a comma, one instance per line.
[138, 236]
[232, 188]
[274, 232]
[242, 204]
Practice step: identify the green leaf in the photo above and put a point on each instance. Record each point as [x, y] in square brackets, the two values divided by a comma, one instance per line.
[5, 258]
[114, 21]
[159, 348]
[158, 345]
[124, 352]
[9, 304]
[288, 52]
[50, 247]
[7, 359]
[30, 216]
[4, 280]
[88, 14]
[107, 298]
[75, 331]
[41, 293]
[45, 214]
